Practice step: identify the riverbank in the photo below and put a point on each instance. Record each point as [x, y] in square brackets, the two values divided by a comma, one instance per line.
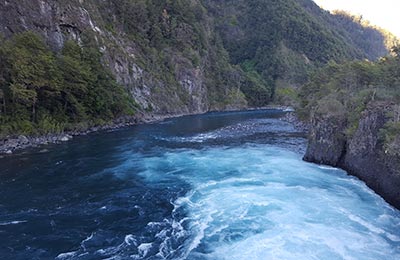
[14, 144]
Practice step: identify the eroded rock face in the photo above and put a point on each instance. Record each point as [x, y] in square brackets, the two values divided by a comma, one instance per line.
[362, 154]
[366, 157]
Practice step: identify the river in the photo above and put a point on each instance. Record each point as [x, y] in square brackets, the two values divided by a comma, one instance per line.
[227, 185]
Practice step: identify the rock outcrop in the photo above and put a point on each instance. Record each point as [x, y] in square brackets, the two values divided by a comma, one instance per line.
[362, 153]
[180, 86]
[327, 143]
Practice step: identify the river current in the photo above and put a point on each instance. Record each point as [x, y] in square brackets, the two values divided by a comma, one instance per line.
[214, 186]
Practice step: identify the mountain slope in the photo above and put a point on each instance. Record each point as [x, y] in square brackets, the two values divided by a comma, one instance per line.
[173, 57]
[165, 54]
[284, 40]
[372, 41]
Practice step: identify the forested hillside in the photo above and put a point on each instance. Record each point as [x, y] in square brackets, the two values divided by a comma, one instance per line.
[354, 111]
[164, 54]
[283, 41]
[43, 92]
[371, 40]
[69, 64]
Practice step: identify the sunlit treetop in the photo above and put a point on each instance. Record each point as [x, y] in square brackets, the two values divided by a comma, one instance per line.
[383, 13]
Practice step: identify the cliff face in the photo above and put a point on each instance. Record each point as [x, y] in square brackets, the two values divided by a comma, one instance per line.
[180, 57]
[362, 154]
[327, 142]
[168, 78]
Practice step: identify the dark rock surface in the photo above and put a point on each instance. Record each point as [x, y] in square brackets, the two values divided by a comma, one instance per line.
[367, 159]
[362, 154]
[327, 143]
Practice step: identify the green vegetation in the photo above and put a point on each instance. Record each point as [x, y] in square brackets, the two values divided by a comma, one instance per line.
[272, 42]
[345, 91]
[238, 52]
[371, 40]
[284, 41]
[42, 92]
[176, 36]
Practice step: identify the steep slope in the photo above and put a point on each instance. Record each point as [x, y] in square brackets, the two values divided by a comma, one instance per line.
[354, 110]
[371, 40]
[284, 40]
[165, 53]
[173, 57]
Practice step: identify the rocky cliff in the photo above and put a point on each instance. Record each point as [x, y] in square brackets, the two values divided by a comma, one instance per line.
[363, 153]
[181, 57]
[165, 74]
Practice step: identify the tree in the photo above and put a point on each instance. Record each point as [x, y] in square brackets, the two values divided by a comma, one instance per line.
[23, 96]
[34, 74]
[41, 91]
[76, 77]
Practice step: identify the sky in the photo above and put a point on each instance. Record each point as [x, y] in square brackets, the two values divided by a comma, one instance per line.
[383, 13]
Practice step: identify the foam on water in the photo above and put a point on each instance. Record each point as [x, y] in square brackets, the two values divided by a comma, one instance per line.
[67, 255]
[15, 222]
[261, 202]
[248, 129]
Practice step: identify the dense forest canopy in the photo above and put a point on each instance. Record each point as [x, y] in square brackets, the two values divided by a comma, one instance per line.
[41, 91]
[284, 41]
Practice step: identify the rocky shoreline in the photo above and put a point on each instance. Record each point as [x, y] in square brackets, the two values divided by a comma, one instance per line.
[361, 154]
[14, 144]
[292, 118]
